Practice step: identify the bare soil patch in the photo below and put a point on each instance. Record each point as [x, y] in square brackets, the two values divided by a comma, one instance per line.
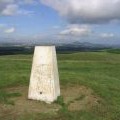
[79, 98]
[76, 97]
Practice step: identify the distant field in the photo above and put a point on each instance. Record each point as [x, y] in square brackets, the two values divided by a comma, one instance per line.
[90, 88]
[117, 51]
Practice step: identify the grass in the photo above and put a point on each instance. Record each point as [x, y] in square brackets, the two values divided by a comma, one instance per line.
[115, 51]
[5, 97]
[80, 97]
[14, 71]
[99, 71]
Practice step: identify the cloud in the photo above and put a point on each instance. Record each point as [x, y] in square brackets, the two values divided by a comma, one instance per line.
[16, 1]
[86, 11]
[25, 12]
[10, 10]
[28, 1]
[107, 35]
[7, 1]
[10, 30]
[76, 30]
[13, 7]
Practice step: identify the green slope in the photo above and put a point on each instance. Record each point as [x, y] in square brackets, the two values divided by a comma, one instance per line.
[99, 71]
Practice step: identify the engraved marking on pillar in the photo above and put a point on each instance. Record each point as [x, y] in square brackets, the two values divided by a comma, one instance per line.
[42, 73]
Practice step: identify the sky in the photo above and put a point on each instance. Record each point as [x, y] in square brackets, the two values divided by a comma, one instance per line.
[60, 21]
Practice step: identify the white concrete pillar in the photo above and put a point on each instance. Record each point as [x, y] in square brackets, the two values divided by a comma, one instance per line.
[44, 80]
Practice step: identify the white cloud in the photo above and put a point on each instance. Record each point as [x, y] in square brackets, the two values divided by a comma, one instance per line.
[25, 12]
[13, 7]
[107, 35]
[10, 30]
[10, 10]
[76, 30]
[86, 11]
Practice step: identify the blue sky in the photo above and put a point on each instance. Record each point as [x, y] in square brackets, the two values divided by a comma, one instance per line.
[51, 21]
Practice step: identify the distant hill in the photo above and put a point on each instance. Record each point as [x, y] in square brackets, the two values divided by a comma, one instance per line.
[6, 48]
[77, 46]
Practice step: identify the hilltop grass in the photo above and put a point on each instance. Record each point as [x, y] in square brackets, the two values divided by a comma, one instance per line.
[14, 70]
[4, 97]
[99, 71]
[115, 51]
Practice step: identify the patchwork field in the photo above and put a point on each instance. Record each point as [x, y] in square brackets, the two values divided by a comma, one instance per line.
[90, 88]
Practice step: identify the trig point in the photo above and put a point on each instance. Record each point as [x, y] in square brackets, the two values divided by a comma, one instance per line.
[44, 80]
